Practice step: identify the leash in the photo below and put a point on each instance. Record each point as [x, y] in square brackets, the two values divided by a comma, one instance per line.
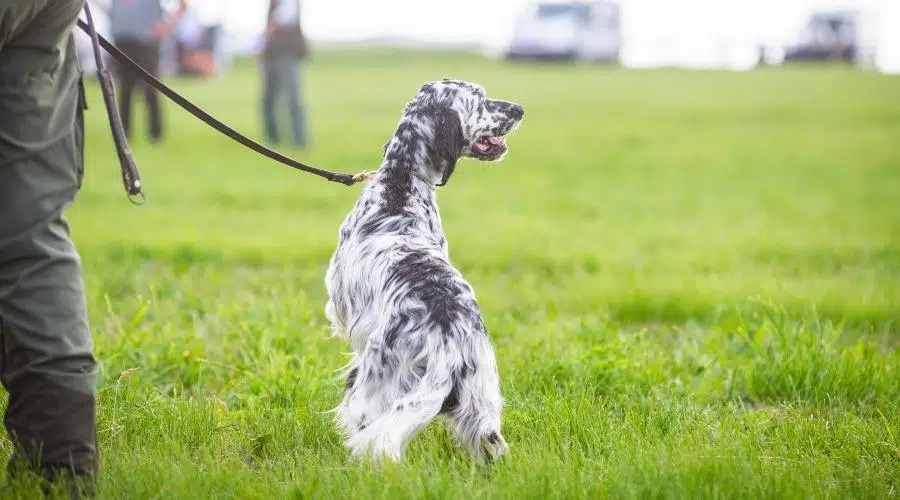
[130, 175]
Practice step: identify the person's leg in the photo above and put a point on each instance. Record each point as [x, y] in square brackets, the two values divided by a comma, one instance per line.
[126, 82]
[46, 354]
[150, 62]
[293, 82]
[218, 51]
[208, 51]
[270, 98]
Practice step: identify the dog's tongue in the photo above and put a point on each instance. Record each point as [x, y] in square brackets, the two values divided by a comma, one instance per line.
[486, 143]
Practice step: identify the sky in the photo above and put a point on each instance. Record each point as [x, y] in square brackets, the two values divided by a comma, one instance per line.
[490, 21]
[479, 21]
[724, 33]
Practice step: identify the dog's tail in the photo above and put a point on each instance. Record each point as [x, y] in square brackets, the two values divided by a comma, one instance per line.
[388, 434]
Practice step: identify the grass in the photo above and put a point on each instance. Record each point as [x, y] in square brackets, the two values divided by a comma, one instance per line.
[692, 280]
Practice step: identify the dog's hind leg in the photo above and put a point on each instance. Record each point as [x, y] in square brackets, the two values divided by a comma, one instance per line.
[388, 435]
[349, 414]
[475, 406]
[367, 393]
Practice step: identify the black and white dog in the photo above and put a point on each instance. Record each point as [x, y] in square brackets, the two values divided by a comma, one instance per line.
[420, 348]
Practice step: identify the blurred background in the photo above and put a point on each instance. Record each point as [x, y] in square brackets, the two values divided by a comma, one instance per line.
[723, 34]
[690, 154]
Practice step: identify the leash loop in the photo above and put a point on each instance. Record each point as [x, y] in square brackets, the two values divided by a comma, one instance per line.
[131, 178]
[138, 199]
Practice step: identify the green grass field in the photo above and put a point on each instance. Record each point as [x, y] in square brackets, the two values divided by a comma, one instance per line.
[692, 280]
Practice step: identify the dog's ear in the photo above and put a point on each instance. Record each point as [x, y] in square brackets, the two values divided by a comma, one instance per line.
[427, 88]
[449, 142]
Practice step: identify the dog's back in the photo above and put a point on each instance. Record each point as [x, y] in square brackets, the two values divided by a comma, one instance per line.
[393, 225]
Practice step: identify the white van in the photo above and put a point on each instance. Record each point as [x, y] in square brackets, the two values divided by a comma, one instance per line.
[567, 30]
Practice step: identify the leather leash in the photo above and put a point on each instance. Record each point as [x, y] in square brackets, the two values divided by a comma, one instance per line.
[130, 175]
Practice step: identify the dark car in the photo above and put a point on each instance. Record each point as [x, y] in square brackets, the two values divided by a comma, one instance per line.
[827, 36]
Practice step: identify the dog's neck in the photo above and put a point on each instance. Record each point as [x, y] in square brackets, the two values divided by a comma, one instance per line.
[411, 151]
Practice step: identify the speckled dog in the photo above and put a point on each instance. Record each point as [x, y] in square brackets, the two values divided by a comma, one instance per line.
[420, 348]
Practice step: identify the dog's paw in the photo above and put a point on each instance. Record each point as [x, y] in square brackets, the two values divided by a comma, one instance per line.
[377, 450]
[493, 446]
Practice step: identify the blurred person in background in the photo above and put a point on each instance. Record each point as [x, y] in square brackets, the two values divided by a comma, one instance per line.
[198, 38]
[285, 47]
[137, 27]
[211, 18]
[187, 37]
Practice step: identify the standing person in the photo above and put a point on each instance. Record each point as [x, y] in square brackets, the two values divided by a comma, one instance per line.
[211, 18]
[285, 48]
[46, 354]
[137, 27]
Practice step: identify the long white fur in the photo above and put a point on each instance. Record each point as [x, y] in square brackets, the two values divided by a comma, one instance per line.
[419, 346]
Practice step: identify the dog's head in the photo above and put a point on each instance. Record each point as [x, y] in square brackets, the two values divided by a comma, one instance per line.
[463, 123]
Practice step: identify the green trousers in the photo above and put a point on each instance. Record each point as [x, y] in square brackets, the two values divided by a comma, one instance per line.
[46, 357]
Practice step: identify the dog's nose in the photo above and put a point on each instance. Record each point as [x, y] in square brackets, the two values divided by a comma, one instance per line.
[516, 112]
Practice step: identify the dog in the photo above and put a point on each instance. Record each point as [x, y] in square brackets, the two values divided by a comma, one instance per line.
[419, 346]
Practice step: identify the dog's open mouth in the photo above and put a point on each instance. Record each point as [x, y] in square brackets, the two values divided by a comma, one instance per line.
[489, 148]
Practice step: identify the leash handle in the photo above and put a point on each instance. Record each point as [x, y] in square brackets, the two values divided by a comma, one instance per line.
[129, 172]
[131, 178]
